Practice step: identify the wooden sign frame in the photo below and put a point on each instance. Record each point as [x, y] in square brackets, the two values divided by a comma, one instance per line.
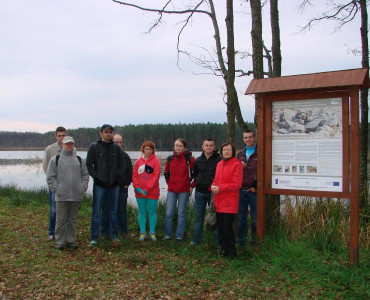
[267, 92]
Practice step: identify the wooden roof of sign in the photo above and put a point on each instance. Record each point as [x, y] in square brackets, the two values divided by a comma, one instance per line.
[315, 81]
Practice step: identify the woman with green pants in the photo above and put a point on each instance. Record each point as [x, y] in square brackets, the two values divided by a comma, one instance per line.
[145, 179]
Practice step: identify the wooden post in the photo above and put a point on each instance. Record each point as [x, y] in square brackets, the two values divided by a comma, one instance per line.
[261, 167]
[355, 178]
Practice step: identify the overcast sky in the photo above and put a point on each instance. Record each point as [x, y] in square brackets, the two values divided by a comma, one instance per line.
[82, 63]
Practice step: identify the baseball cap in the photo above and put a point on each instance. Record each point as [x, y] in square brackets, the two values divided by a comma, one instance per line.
[68, 139]
[105, 126]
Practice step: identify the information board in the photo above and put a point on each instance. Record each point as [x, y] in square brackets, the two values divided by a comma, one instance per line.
[307, 139]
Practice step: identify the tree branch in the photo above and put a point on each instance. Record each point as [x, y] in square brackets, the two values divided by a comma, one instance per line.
[163, 10]
[343, 13]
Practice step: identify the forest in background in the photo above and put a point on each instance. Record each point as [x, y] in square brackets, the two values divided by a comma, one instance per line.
[163, 136]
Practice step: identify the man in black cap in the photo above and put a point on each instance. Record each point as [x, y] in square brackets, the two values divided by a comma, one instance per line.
[105, 163]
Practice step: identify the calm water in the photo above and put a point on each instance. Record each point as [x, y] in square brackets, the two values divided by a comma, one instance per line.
[23, 169]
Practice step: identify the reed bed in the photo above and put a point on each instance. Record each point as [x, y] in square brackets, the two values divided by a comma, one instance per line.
[326, 221]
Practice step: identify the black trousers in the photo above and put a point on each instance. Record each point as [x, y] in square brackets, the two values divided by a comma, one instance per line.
[226, 234]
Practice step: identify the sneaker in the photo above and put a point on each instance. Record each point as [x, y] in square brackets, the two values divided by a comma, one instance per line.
[167, 237]
[93, 243]
[142, 237]
[179, 240]
[72, 246]
[153, 237]
[59, 247]
[193, 243]
[50, 238]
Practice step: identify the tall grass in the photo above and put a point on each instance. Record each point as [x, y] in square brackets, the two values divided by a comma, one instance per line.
[326, 221]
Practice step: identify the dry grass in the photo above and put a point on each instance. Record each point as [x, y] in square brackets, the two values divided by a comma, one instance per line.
[321, 218]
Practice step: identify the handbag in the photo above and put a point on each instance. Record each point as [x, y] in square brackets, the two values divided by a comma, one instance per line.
[211, 220]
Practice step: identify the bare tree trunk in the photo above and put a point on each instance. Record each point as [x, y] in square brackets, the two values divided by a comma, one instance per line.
[233, 107]
[256, 33]
[273, 201]
[275, 32]
[364, 108]
[230, 79]
[257, 44]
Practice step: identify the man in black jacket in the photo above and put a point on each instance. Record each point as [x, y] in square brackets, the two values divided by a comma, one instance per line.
[106, 165]
[123, 194]
[204, 173]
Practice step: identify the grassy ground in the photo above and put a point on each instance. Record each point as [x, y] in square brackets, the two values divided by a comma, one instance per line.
[30, 267]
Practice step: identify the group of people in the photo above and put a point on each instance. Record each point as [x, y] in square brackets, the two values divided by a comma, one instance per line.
[226, 179]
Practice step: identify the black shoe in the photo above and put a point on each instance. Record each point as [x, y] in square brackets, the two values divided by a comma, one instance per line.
[72, 246]
[59, 247]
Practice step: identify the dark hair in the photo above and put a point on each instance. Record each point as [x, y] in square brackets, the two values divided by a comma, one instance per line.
[60, 129]
[147, 144]
[227, 144]
[182, 141]
[209, 140]
[250, 131]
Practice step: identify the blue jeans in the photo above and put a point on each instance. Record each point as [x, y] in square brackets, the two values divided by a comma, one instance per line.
[121, 210]
[121, 213]
[172, 198]
[52, 215]
[200, 203]
[104, 196]
[246, 199]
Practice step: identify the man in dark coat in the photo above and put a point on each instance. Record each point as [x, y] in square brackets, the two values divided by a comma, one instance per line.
[106, 165]
[204, 173]
[248, 192]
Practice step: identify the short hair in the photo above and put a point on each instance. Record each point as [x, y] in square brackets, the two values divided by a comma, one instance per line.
[60, 129]
[249, 131]
[208, 140]
[227, 144]
[182, 141]
[148, 144]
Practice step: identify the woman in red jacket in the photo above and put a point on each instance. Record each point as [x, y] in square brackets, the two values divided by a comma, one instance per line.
[145, 179]
[225, 187]
[178, 173]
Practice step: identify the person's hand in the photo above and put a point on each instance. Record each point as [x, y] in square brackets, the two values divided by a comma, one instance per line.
[215, 189]
[244, 164]
[252, 189]
[144, 192]
[191, 191]
[138, 190]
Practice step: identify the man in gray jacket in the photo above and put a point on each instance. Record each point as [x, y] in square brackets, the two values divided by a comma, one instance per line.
[68, 178]
[50, 152]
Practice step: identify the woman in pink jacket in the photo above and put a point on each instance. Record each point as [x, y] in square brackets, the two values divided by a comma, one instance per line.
[225, 187]
[145, 179]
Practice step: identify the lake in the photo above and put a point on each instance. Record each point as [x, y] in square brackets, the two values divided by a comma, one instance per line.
[23, 169]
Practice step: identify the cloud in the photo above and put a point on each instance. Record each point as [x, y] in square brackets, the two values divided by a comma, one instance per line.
[84, 63]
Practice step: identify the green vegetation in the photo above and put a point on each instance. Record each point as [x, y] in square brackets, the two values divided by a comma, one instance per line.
[163, 135]
[306, 258]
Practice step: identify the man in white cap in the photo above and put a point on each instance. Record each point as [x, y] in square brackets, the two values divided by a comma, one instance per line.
[51, 151]
[68, 178]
